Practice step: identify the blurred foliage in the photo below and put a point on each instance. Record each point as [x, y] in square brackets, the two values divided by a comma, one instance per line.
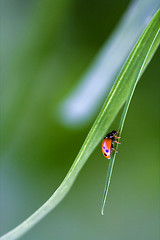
[46, 46]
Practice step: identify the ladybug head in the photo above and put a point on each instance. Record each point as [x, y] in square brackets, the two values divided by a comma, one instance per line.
[114, 132]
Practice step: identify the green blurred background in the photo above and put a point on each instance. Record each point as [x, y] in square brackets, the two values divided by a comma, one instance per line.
[46, 47]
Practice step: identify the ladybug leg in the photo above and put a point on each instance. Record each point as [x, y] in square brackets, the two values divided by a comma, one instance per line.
[114, 150]
[117, 142]
[116, 137]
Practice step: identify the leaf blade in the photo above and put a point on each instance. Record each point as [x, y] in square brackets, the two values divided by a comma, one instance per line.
[123, 117]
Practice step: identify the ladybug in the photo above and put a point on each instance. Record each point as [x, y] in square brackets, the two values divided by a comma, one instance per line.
[107, 144]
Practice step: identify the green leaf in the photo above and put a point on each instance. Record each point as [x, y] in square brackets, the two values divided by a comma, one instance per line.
[125, 83]
[147, 59]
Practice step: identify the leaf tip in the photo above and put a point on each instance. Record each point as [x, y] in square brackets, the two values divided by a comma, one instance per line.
[102, 213]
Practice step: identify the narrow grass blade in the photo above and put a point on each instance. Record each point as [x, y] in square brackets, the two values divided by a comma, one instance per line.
[130, 74]
[124, 114]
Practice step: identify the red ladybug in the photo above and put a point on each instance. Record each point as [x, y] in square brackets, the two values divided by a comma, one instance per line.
[107, 144]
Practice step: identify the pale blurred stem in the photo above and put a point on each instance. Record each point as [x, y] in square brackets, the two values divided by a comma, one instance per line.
[124, 114]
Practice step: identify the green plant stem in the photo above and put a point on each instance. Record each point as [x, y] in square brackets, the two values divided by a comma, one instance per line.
[124, 114]
[111, 163]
